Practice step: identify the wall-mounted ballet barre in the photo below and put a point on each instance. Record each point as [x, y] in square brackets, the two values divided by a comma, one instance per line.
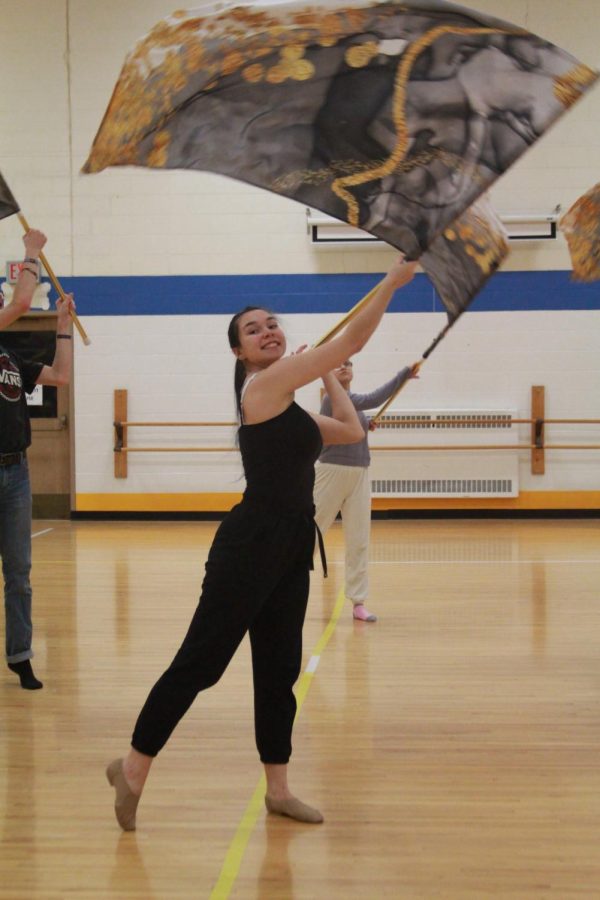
[536, 447]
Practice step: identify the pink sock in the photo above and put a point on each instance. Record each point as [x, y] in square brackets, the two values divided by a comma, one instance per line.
[363, 614]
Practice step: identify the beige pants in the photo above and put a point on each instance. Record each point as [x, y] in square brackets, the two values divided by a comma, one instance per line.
[347, 489]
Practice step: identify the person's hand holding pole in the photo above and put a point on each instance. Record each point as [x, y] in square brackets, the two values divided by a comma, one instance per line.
[53, 279]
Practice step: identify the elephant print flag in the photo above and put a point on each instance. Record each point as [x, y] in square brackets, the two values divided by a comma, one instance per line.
[8, 204]
[393, 117]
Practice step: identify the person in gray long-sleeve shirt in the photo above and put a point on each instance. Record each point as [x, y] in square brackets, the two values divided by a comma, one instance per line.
[342, 485]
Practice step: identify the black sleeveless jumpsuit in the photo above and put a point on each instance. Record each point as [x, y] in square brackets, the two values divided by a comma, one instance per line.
[257, 580]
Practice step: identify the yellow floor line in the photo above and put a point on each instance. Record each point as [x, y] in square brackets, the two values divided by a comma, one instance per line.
[237, 848]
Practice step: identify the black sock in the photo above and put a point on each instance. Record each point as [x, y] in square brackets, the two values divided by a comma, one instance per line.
[25, 673]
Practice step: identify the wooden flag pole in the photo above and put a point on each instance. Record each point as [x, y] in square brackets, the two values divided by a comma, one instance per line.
[348, 317]
[414, 369]
[415, 366]
[56, 284]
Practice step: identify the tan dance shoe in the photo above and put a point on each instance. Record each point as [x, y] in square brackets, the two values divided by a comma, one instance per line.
[126, 801]
[294, 809]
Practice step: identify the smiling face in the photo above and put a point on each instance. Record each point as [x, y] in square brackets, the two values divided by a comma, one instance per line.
[261, 341]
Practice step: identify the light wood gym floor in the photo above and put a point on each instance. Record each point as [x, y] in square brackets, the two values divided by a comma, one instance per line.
[453, 747]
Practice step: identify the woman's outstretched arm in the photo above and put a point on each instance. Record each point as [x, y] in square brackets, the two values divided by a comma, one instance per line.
[271, 389]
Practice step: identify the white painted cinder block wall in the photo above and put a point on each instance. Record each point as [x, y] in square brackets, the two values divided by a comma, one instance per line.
[58, 65]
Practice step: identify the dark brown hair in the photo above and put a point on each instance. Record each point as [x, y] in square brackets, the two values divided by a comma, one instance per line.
[233, 334]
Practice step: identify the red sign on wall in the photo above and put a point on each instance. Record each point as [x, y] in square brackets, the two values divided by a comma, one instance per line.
[13, 267]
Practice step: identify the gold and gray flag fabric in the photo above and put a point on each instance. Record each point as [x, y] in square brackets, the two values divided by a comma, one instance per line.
[581, 227]
[8, 204]
[394, 117]
[465, 255]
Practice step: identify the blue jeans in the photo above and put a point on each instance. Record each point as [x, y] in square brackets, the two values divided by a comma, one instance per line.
[15, 550]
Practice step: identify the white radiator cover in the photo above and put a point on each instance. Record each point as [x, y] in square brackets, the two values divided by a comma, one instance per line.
[445, 473]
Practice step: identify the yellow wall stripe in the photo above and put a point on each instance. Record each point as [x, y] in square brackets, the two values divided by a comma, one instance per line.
[156, 502]
[222, 502]
[237, 848]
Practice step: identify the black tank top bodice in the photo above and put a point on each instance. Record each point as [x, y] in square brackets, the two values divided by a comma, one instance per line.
[279, 458]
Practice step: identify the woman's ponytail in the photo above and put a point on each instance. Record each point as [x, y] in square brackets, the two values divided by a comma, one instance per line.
[239, 376]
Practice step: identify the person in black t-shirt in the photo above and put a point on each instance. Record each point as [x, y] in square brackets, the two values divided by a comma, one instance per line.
[17, 378]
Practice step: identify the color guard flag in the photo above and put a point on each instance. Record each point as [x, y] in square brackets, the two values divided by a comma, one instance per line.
[8, 204]
[465, 255]
[581, 227]
[394, 116]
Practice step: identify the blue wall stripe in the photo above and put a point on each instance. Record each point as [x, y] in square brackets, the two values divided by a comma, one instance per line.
[185, 295]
